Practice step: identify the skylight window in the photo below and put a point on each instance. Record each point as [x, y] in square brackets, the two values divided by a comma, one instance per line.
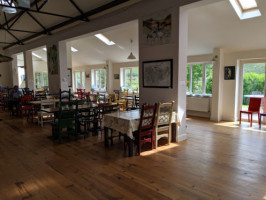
[245, 9]
[74, 49]
[248, 4]
[104, 39]
[34, 54]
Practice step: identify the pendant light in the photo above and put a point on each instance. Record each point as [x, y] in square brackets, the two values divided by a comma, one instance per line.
[131, 56]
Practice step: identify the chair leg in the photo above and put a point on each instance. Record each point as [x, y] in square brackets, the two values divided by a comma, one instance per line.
[260, 121]
[240, 118]
[251, 120]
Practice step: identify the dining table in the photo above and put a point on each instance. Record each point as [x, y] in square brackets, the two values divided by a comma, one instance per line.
[126, 123]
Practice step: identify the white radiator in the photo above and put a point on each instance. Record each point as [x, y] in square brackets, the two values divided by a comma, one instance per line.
[200, 104]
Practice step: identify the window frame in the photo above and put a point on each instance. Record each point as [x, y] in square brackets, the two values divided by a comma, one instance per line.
[94, 78]
[81, 80]
[123, 77]
[41, 79]
[204, 78]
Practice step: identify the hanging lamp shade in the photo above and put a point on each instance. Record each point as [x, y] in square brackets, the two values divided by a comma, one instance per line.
[5, 58]
[131, 55]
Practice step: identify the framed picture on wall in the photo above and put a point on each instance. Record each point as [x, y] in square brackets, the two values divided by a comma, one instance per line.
[158, 74]
[229, 73]
[116, 76]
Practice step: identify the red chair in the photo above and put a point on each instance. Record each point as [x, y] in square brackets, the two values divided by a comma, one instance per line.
[146, 126]
[24, 104]
[81, 93]
[253, 108]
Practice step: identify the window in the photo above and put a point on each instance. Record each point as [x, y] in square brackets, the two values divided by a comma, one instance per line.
[199, 78]
[41, 79]
[130, 78]
[99, 79]
[79, 80]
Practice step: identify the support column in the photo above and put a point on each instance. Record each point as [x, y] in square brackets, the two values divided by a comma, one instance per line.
[110, 79]
[216, 114]
[14, 70]
[29, 69]
[65, 63]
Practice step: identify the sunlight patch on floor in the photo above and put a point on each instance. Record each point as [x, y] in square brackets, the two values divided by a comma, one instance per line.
[159, 149]
[244, 126]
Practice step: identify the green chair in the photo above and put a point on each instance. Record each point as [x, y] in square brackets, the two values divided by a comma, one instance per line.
[66, 120]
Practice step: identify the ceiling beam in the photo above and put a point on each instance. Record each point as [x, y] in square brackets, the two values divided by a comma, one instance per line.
[19, 14]
[80, 11]
[37, 21]
[70, 21]
[17, 30]
[40, 7]
[39, 12]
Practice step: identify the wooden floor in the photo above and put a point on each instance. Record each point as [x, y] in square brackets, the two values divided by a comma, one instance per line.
[218, 161]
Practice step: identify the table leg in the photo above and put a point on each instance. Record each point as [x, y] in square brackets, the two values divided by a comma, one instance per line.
[130, 147]
[106, 142]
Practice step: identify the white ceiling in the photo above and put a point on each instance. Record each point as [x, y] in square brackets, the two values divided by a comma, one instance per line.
[92, 51]
[218, 26]
[213, 26]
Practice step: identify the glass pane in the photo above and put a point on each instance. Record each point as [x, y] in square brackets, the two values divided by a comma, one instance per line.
[209, 73]
[188, 77]
[38, 80]
[97, 79]
[253, 82]
[135, 78]
[127, 78]
[78, 82]
[102, 78]
[197, 79]
[45, 79]
[83, 80]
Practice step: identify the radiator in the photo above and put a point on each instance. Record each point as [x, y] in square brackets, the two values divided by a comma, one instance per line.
[200, 104]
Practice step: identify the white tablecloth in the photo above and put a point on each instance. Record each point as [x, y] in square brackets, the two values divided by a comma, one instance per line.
[128, 121]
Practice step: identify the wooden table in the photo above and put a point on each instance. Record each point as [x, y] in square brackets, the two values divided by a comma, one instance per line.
[126, 123]
[80, 107]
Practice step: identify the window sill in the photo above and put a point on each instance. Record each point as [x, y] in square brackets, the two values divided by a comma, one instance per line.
[200, 95]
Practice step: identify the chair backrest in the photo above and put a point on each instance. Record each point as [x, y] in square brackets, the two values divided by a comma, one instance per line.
[126, 91]
[254, 104]
[47, 103]
[137, 100]
[65, 94]
[164, 114]
[26, 91]
[110, 108]
[112, 98]
[25, 98]
[147, 117]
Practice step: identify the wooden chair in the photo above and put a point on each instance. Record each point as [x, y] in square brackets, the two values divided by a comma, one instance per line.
[253, 108]
[114, 98]
[66, 120]
[136, 101]
[146, 126]
[44, 116]
[25, 106]
[81, 93]
[87, 120]
[163, 122]
[64, 94]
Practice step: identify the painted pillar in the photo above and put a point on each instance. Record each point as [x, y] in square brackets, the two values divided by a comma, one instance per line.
[216, 114]
[29, 69]
[14, 70]
[110, 76]
[65, 63]
[168, 50]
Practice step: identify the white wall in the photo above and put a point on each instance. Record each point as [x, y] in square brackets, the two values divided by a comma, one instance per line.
[230, 90]
[5, 72]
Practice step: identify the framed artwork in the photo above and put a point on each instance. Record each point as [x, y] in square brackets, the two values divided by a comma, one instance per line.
[229, 73]
[158, 74]
[116, 76]
[69, 77]
[157, 29]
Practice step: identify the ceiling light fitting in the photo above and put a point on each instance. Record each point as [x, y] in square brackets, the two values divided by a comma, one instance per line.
[131, 56]
[10, 7]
